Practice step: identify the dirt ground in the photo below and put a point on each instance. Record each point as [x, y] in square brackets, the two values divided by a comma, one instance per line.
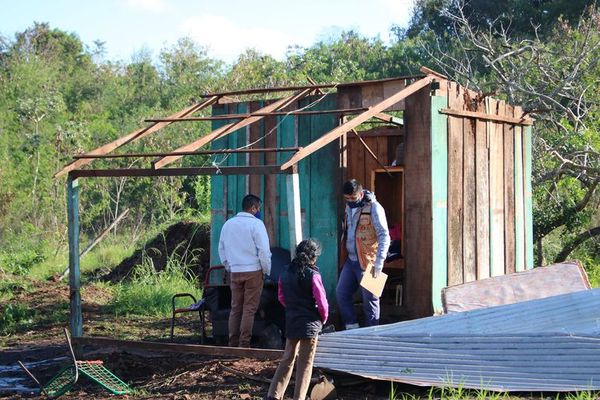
[152, 376]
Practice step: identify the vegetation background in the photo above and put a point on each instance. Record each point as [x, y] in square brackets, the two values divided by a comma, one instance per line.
[60, 97]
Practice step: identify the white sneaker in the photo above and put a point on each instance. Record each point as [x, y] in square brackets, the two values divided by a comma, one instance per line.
[352, 326]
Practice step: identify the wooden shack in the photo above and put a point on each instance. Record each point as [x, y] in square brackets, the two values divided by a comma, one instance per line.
[451, 168]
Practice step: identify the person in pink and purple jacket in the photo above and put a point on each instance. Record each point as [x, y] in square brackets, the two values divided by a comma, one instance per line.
[302, 294]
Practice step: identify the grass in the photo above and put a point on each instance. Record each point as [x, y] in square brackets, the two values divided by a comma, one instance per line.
[459, 393]
[150, 292]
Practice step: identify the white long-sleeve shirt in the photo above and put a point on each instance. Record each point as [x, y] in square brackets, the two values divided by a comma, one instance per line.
[244, 244]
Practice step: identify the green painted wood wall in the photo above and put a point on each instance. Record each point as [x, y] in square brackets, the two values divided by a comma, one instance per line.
[320, 181]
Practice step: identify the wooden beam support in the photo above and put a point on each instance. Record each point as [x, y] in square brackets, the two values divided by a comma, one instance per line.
[359, 119]
[293, 209]
[390, 118]
[487, 117]
[123, 345]
[140, 133]
[190, 153]
[245, 170]
[76, 319]
[313, 87]
[229, 128]
[345, 111]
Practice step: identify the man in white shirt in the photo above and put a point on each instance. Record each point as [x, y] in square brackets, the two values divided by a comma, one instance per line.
[245, 253]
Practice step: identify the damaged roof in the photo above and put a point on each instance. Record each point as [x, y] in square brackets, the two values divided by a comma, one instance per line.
[550, 344]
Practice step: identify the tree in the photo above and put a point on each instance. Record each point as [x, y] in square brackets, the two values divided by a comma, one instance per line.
[553, 72]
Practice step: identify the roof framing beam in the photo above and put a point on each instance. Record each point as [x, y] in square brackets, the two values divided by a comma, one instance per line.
[359, 119]
[229, 128]
[189, 171]
[264, 114]
[190, 153]
[140, 133]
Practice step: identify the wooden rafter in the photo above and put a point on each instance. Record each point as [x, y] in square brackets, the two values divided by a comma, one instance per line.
[359, 119]
[229, 128]
[191, 153]
[264, 114]
[138, 134]
[189, 171]
[488, 117]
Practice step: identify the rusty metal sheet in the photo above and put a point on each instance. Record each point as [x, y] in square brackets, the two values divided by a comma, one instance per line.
[533, 284]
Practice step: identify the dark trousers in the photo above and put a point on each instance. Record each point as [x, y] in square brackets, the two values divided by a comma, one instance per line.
[348, 284]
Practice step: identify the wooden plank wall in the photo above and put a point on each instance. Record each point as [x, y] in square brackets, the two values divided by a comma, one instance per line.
[382, 141]
[487, 186]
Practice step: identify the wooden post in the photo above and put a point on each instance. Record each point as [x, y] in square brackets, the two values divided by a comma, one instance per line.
[76, 321]
[293, 206]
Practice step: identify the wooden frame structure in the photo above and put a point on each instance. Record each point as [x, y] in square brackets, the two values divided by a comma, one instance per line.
[435, 111]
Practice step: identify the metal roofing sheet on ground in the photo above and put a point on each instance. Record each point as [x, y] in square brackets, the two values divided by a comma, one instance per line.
[551, 344]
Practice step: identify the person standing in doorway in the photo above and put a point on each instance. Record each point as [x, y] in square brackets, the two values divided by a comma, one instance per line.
[366, 240]
[302, 294]
[245, 253]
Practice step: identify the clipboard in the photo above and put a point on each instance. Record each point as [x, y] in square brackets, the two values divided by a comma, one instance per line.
[374, 285]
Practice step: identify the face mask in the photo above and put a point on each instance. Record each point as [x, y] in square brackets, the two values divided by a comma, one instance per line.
[355, 204]
[258, 214]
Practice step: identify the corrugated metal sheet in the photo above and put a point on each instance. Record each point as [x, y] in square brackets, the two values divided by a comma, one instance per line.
[577, 312]
[551, 344]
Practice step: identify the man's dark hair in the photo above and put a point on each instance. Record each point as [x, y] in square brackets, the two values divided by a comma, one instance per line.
[250, 200]
[352, 187]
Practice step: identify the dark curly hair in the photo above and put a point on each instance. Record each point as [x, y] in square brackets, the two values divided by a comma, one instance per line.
[307, 253]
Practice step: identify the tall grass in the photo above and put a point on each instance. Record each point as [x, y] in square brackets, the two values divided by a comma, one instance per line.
[149, 292]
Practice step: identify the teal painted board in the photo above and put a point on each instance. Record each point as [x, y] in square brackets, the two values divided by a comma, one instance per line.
[304, 131]
[236, 184]
[76, 320]
[325, 194]
[218, 190]
[519, 204]
[286, 137]
[439, 199]
[527, 195]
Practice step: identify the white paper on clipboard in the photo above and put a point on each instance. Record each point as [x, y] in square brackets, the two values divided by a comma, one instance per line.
[374, 285]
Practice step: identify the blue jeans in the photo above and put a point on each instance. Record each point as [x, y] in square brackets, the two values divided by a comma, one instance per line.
[348, 283]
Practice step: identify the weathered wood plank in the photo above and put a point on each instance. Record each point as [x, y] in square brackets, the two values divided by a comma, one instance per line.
[293, 211]
[527, 195]
[496, 195]
[455, 188]
[418, 207]
[270, 201]
[488, 117]
[509, 194]
[124, 345]
[482, 198]
[254, 182]
[519, 201]
[76, 320]
[469, 201]
[439, 199]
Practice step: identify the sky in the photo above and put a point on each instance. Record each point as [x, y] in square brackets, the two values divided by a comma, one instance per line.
[225, 27]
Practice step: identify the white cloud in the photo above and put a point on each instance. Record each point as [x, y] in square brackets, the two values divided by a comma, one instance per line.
[398, 10]
[227, 40]
[150, 5]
